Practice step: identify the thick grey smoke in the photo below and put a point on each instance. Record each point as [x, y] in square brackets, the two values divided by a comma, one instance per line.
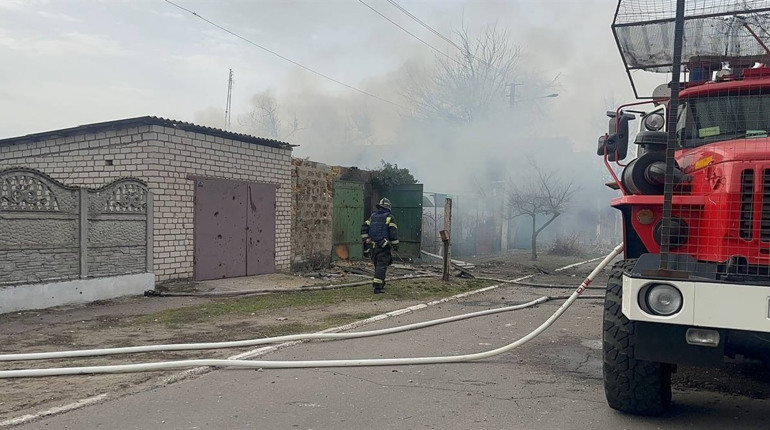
[451, 156]
[124, 59]
[447, 157]
[340, 127]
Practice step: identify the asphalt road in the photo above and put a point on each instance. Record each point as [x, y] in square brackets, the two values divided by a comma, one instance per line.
[553, 382]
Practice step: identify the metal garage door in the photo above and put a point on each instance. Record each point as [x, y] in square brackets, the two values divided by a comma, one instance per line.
[234, 228]
[260, 237]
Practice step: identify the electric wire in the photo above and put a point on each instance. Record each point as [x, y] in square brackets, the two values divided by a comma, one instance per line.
[405, 30]
[281, 56]
[422, 23]
[267, 364]
[434, 31]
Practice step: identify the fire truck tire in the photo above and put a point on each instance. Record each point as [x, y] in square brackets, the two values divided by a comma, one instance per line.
[630, 385]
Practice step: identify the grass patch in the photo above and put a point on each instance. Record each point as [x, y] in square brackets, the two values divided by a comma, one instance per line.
[428, 288]
[284, 329]
[416, 289]
[330, 321]
[336, 320]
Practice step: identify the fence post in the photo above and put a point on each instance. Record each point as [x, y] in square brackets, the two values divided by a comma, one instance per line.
[447, 238]
[149, 249]
[445, 250]
[83, 208]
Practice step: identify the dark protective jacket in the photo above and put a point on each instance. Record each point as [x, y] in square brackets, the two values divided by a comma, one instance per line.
[381, 225]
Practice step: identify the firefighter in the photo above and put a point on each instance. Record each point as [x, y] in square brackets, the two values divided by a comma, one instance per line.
[380, 236]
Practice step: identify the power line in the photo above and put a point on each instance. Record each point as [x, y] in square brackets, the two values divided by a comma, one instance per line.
[434, 31]
[281, 56]
[405, 30]
[419, 21]
[464, 52]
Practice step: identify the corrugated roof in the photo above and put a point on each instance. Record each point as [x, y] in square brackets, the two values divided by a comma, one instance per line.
[147, 120]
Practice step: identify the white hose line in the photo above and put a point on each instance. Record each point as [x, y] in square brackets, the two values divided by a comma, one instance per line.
[579, 263]
[264, 364]
[262, 341]
[278, 339]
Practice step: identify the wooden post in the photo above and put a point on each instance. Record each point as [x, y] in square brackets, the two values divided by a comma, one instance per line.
[446, 238]
[448, 223]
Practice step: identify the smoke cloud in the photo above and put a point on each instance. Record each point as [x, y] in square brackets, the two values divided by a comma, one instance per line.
[338, 126]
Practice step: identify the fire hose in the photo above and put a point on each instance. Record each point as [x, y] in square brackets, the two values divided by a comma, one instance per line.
[266, 364]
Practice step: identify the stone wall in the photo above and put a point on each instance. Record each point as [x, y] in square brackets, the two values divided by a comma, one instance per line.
[53, 232]
[312, 209]
[166, 158]
[313, 190]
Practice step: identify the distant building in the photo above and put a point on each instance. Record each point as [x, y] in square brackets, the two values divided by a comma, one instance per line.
[222, 200]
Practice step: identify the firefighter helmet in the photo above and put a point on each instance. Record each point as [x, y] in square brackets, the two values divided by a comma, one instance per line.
[384, 204]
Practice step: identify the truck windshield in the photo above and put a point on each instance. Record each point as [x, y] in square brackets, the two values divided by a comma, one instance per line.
[715, 118]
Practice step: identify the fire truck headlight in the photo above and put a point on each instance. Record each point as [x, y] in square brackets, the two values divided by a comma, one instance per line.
[654, 121]
[662, 299]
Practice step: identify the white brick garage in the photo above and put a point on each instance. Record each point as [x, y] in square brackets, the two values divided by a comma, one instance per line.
[168, 155]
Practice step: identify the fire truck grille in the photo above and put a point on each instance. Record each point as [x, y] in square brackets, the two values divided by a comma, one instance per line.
[747, 204]
[764, 229]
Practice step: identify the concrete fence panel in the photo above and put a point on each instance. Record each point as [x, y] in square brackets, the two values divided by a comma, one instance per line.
[51, 233]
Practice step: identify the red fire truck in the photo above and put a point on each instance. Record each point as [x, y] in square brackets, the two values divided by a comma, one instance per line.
[694, 285]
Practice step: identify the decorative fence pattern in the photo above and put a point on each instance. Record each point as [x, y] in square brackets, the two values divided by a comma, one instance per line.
[53, 232]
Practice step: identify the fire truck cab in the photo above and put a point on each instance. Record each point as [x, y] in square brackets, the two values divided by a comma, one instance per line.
[712, 301]
[693, 287]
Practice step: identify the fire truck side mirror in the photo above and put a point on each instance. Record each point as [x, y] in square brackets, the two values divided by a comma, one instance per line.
[616, 142]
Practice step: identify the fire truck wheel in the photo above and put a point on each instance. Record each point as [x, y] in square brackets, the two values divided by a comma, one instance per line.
[632, 386]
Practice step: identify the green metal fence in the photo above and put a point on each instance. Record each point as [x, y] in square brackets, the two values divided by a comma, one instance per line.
[407, 209]
[347, 217]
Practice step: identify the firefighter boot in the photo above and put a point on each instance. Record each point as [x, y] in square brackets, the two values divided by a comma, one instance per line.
[379, 286]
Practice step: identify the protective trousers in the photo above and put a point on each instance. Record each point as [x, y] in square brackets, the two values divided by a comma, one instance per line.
[381, 257]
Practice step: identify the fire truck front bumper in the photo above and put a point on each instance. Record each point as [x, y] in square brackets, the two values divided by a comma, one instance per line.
[698, 323]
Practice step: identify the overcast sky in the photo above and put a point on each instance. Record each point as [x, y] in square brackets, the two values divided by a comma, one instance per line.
[72, 62]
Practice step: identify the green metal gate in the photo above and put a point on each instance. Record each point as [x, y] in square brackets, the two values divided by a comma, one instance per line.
[407, 208]
[347, 217]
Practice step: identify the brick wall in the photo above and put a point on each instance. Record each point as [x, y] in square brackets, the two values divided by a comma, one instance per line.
[166, 158]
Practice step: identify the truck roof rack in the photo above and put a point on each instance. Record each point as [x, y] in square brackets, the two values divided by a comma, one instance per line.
[715, 31]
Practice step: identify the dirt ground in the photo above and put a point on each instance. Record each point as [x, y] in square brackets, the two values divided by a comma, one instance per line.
[124, 322]
[129, 321]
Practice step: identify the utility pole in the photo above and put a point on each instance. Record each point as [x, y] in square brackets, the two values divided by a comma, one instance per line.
[229, 100]
[512, 94]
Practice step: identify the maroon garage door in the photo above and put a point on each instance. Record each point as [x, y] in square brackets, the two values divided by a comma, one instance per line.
[234, 228]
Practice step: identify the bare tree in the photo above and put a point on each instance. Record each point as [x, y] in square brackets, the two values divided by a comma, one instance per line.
[361, 128]
[543, 193]
[266, 120]
[468, 85]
